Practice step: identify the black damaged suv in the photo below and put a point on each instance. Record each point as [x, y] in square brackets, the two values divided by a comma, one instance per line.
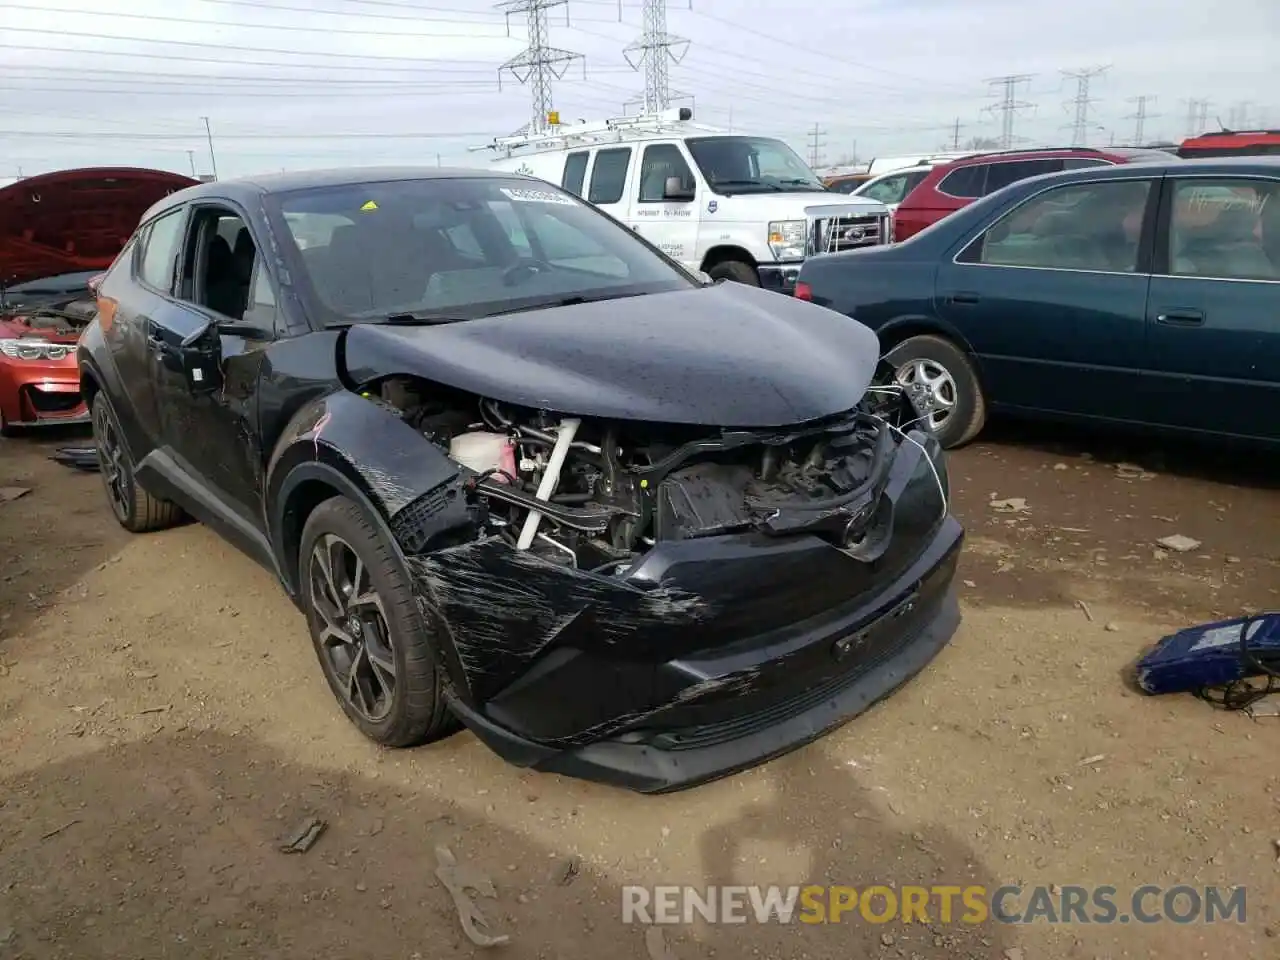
[519, 468]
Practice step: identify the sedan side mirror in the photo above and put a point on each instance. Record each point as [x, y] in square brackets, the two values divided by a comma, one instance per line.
[674, 189]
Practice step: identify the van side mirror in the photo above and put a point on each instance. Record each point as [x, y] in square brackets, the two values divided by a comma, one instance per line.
[674, 189]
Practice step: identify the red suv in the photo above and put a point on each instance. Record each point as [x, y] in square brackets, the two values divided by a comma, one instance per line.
[950, 186]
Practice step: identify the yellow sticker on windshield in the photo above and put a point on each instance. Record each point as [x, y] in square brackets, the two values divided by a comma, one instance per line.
[370, 206]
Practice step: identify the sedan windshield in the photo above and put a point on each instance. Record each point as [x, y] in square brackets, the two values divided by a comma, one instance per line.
[751, 165]
[461, 248]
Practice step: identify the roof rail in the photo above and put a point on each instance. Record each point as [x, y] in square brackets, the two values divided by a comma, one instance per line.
[1000, 153]
[602, 131]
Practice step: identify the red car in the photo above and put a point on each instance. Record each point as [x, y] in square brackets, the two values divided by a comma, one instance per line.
[951, 186]
[57, 232]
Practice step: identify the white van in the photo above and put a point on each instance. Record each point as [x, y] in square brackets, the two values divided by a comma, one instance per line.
[736, 207]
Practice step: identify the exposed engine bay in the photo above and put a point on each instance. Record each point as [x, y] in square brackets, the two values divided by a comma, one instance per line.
[64, 318]
[594, 495]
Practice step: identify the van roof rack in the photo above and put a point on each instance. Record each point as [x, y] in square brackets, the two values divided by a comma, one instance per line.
[600, 131]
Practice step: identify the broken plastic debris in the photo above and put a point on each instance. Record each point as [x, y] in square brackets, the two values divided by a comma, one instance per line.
[459, 879]
[13, 493]
[1010, 505]
[1178, 543]
[304, 837]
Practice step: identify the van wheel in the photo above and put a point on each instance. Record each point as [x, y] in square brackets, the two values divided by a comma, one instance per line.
[957, 408]
[735, 270]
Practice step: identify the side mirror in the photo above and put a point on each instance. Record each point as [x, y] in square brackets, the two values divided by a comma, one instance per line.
[705, 278]
[95, 283]
[674, 189]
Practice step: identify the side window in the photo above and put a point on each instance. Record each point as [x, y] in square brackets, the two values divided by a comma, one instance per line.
[160, 251]
[609, 175]
[1219, 229]
[663, 160]
[964, 182]
[575, 172]
[1002, 175]
[888, 190]
[1081, 226]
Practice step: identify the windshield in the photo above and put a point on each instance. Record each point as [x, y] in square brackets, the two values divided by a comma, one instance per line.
[751, 165]
[461, 248]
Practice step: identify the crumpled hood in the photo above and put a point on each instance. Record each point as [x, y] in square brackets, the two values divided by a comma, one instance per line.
[727, 355]
[75, 220]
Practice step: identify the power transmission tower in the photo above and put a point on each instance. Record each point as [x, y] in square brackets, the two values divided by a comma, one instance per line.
[1238, 119]
[1193, 116]
[1082, 77]
[1140, 116]
[955, 134]
[1203, 117]
[655, 48]
[816, 143]
[539, 63]
[1009, 106]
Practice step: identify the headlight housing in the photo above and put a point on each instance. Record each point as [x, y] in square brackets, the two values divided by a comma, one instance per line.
[32, 348]
[787, 239]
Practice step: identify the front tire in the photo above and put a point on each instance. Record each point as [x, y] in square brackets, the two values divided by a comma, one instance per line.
[735, 270]
[372, 642]
[135, 509]
[957, 407]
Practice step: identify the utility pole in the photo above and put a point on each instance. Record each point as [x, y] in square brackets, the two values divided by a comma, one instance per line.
[1009, 105]
[955, 134]
[539, 63]
[213, 160]
[191, 157]
[1082, 77]
[1140, 116]
[652, 52]
[816, 143]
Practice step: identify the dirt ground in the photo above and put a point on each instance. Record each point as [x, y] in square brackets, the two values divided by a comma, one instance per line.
[163, 724]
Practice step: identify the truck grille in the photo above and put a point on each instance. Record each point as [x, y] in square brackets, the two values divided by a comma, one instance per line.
[837, 234]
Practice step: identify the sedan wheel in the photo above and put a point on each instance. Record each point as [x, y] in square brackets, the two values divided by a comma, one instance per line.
[354, 635]
[947, 391]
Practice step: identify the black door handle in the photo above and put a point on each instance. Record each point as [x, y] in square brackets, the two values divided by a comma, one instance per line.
[1181, 318]
[155, 341]
[962, 297]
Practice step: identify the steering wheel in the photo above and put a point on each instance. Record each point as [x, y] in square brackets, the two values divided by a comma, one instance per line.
[522, 271]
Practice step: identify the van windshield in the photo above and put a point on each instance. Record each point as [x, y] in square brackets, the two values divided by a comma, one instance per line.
[460, 249]
[733, 164]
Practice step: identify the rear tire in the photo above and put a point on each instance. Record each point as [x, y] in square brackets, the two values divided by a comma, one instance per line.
[968, 410]
[735, 270]
[368, 632]
[135, 509]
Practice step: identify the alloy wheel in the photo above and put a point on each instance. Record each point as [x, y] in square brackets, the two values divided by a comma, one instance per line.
[112, 463]
[353, 635]
[937, 400]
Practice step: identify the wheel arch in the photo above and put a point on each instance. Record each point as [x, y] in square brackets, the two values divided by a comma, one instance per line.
[901, 329]
[723, 253]
[345, 445]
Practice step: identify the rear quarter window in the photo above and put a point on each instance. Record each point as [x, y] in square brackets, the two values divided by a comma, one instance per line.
[965, 183]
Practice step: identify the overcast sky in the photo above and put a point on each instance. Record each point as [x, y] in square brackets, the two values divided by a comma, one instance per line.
[305, 83]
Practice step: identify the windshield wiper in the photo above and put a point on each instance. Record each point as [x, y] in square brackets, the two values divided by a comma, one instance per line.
[747, 183]
[571, 301]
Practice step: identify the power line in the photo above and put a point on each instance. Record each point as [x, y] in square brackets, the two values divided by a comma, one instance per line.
[655, 48]
[1009, 106]
[1082, 101]
[816, 143]
[1140, 116]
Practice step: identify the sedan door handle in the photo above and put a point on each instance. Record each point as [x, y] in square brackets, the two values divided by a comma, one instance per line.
[962, 297]
[1181, 318]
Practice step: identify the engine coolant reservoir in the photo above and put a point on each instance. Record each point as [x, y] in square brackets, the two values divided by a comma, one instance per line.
[481, 451]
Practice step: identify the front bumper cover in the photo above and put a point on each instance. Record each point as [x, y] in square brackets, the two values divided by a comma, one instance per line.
[708, 655]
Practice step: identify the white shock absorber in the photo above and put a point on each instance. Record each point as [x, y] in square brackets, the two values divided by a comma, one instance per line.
[550, 477]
